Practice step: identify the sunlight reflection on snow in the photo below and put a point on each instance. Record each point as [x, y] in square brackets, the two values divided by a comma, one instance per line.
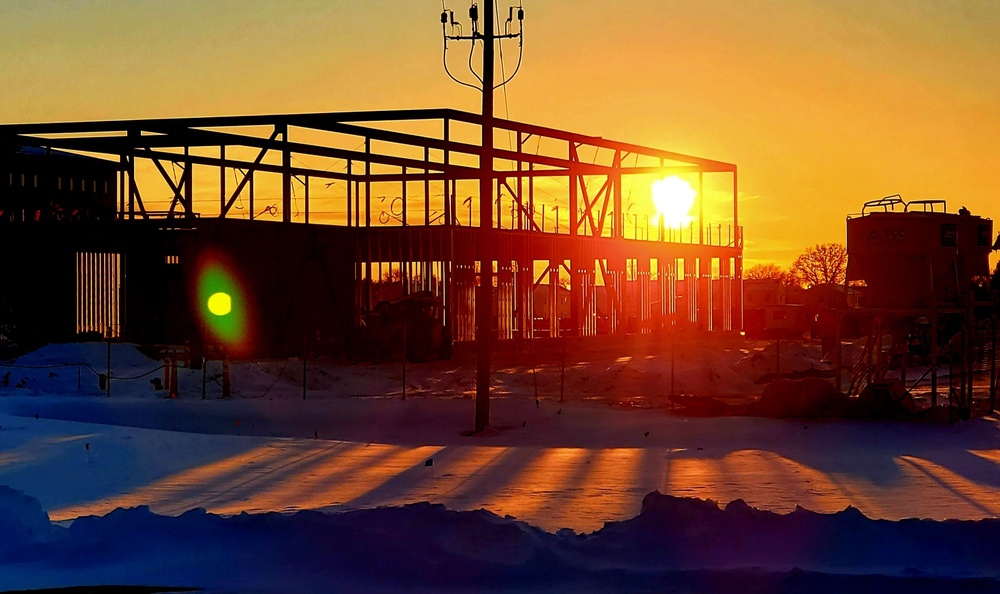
[551, 487]
[958, 490]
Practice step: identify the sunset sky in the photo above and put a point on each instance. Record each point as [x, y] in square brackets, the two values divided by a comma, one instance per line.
[822, 104]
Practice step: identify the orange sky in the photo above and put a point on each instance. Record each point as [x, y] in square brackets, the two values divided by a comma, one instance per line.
[821, 104]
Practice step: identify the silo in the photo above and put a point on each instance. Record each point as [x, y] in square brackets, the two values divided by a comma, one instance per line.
[913, 258]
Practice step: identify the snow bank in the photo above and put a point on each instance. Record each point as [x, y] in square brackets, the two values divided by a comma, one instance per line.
[393, 549]
[73, 368]
[124, 356]
[23, 522]
[674, 533]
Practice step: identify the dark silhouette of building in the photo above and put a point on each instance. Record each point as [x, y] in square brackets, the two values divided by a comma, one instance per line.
[242, 190]
[49, 185]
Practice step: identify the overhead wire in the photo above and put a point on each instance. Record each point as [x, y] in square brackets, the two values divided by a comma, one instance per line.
[332, 165]
[503, 75]
[472, 50]
[520, 49]
[444, 51]
[239, 199]
[295, 200]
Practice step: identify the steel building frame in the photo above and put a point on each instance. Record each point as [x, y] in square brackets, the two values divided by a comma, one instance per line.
[432, 249]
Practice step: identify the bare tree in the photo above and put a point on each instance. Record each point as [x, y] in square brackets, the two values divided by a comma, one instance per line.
[769, 271]
[820, 264]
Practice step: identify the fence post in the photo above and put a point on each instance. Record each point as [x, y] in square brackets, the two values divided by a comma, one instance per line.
[305, 363]
[166, 375]
[562, 372]
[534, 370]
[227, 388]
[993, 367]
[404, 360]
[174, 390]
[673, 344]
[107, 384]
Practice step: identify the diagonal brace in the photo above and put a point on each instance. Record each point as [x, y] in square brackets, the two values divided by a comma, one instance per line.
[246, 177]
[176, 188]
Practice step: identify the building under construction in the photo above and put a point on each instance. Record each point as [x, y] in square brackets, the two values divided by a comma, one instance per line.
[109, 227]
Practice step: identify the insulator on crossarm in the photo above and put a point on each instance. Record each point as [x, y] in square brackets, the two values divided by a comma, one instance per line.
[520, 13]
[444, 17]
[474, 12]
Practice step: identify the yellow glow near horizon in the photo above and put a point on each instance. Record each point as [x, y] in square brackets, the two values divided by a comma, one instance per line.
[220, 304]
[673, 199]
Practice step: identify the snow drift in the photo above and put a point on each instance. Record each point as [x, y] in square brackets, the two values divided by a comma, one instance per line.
[673, 542]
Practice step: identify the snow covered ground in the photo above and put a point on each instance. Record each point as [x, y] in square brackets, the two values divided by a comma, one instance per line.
[581, 465]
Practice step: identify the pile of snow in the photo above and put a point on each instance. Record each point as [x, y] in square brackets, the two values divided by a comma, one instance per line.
[430, 547]
[124, 356]
[674, 533]
[74, 368]
[785, 357]
[23, 523]
[637, 370]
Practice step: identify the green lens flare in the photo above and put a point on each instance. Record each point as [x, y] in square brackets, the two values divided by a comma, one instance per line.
[221, 304]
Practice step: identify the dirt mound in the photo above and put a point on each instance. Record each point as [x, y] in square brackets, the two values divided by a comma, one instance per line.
[808, 397]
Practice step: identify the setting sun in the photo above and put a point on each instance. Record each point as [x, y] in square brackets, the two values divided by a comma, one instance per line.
[673, 199]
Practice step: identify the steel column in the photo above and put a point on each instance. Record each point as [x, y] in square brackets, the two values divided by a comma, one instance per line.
[286, 176]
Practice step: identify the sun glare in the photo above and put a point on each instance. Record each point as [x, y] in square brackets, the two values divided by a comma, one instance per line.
[673, 198]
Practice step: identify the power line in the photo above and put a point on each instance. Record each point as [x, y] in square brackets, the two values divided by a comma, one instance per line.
[448, 19]
[503, 75]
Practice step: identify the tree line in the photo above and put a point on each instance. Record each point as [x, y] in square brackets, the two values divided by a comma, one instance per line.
[820, 264]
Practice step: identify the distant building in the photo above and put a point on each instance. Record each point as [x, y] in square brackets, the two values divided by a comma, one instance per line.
[827, 296]
[46, 197]
[767, 292]
[767, 312]
[45, 185]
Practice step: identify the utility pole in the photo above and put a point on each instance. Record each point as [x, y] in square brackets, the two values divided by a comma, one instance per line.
[484, 296]
[484, 293]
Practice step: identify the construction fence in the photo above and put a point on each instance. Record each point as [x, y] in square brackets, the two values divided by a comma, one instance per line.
[692, 373]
